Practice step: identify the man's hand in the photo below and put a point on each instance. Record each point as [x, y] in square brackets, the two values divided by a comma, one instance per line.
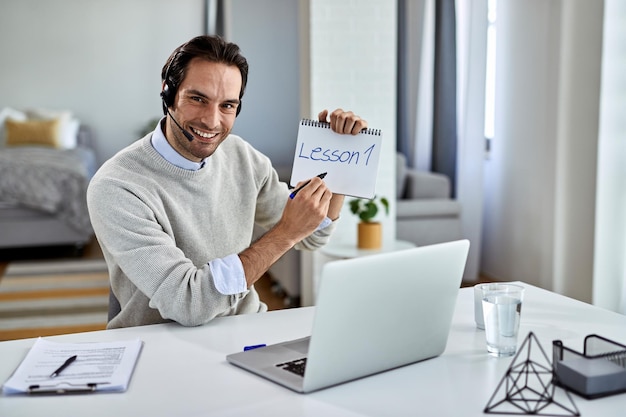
[301, 216]
[304, 213]
[344, 122]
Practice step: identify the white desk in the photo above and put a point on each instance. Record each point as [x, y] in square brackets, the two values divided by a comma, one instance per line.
[183, 371]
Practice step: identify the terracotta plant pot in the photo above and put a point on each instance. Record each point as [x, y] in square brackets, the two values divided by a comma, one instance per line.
[370, 235]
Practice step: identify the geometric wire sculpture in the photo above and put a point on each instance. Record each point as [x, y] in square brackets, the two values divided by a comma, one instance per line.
[528, 387]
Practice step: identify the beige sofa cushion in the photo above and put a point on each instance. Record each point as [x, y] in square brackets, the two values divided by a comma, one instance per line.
[32, 132]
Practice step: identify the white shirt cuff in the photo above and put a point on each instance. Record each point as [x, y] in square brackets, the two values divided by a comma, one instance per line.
[228, 275]
[325, 223]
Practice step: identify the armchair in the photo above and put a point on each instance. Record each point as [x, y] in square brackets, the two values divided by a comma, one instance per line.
[425, 212]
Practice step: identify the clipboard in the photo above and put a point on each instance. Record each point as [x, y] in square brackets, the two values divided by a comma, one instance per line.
[99, 367]
[64, 388]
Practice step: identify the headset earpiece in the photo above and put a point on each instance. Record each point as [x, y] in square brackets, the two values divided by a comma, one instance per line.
[167, 94]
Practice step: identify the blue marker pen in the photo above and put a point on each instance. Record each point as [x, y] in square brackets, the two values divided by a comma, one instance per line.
[322, 175]
[245, 348]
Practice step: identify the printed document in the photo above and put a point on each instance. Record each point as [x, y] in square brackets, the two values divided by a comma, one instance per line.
[102, 366]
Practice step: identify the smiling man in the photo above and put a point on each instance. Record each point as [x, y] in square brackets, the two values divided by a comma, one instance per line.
[174, 212]
[208, 98]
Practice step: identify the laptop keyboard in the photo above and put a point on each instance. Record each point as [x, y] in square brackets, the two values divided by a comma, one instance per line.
[297, 366]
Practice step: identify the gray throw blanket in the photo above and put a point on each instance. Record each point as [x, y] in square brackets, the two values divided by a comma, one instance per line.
[52, 180]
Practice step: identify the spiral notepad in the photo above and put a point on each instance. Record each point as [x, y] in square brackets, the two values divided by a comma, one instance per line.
[350, 161]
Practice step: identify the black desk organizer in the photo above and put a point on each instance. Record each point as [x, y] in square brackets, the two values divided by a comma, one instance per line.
[597, 372]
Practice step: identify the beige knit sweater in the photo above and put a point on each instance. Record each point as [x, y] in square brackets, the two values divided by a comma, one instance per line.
[160, 225]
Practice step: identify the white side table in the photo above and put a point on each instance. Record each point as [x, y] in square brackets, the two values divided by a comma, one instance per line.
[336, 251]
[348, 251]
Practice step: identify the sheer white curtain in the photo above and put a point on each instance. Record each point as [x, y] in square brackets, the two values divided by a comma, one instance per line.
[541, 174]
[609, 289]
[471, 16]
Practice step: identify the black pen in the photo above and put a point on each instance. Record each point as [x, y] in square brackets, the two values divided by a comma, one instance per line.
[62, 367]
[322, 175]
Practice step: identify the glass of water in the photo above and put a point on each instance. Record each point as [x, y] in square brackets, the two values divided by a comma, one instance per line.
[502, 309]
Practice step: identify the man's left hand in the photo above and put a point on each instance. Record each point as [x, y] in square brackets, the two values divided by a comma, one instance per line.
[344, 122]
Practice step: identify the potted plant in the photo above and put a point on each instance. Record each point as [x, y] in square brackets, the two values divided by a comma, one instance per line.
[370, 235]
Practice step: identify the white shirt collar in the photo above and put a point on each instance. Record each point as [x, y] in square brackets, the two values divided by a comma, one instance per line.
[163, 147]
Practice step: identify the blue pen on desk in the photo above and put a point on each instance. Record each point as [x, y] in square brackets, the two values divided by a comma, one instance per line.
[246, 348]
[293, 194]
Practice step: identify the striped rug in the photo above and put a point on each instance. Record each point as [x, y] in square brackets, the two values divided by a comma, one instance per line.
[46, 298]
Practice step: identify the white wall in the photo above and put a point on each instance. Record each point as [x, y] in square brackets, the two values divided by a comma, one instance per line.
[100, 59]
[267, 33]
[358, 73]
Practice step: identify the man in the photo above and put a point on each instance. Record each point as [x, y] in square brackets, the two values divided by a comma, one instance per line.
[174, 212]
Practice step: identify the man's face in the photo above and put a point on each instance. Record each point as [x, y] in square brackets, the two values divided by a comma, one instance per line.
[205, 105]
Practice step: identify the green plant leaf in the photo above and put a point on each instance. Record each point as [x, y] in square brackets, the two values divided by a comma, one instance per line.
[385, 204]
[370, 211]
[354, 206]
[365, 209]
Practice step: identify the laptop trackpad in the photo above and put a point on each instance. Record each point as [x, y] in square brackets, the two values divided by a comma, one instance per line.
[300, 345]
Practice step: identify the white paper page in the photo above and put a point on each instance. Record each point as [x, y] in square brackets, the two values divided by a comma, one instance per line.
[108, 364]
[349, 161]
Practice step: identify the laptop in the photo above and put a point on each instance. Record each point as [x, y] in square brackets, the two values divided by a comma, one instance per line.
[373, 314]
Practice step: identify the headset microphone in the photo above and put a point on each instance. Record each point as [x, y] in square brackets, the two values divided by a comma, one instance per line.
[187, 134]
[166, 96]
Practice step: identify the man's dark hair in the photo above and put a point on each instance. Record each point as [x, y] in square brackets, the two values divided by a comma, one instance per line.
[210, 48]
